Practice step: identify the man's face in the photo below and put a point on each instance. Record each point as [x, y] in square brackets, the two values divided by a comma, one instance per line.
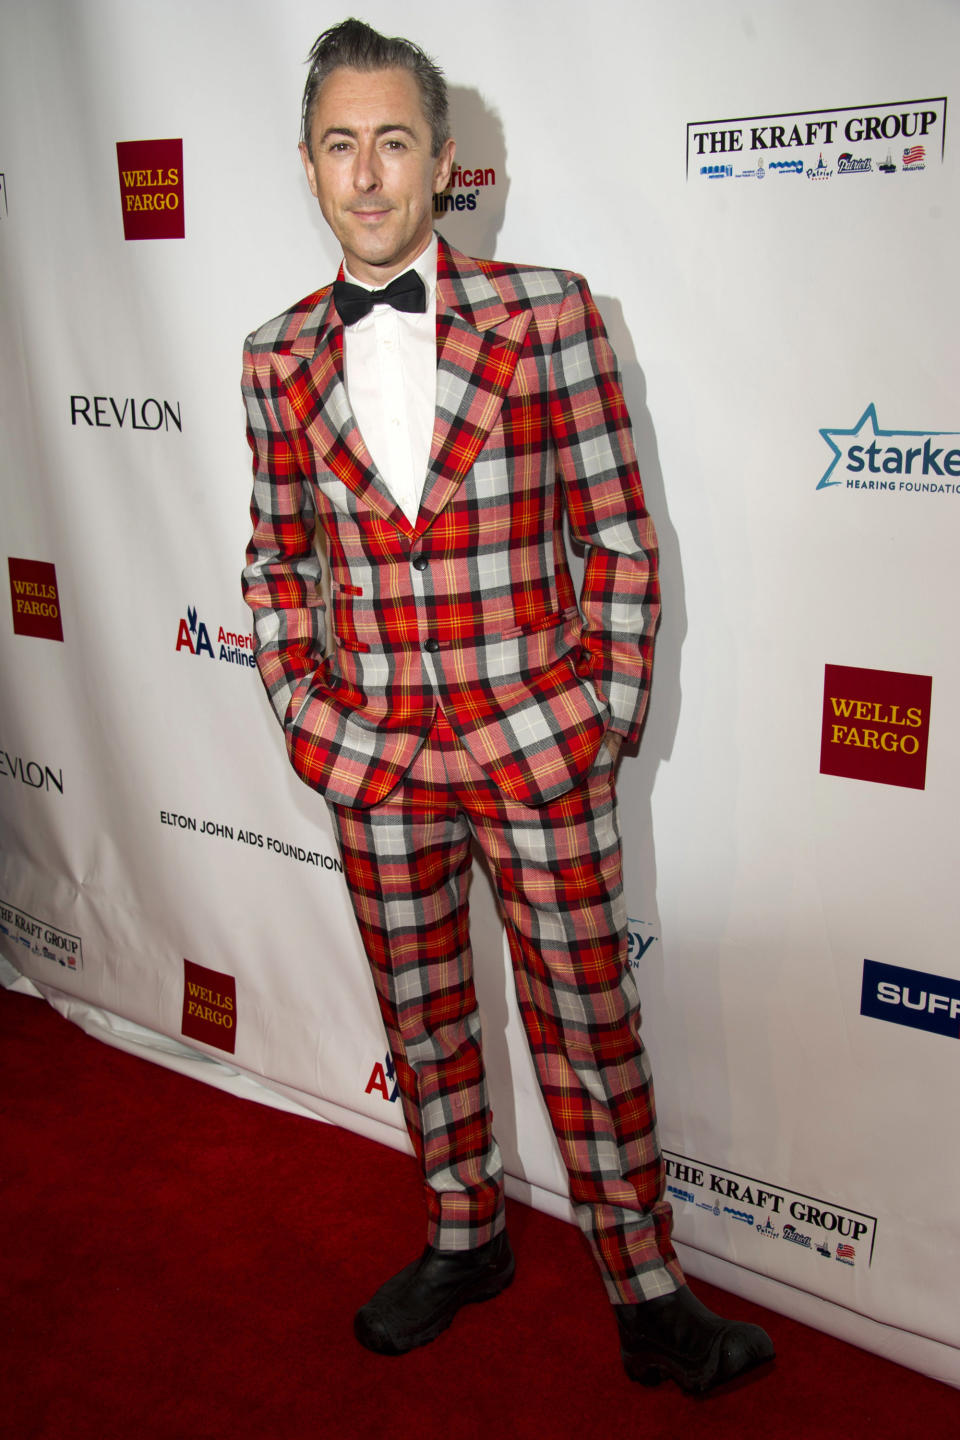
[372, 171]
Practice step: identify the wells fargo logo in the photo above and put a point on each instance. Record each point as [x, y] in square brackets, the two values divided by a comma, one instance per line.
[151, 188]
[209, 1006]
[875, 725]
[34, 598]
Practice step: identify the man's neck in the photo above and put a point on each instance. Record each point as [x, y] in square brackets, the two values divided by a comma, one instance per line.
[377, 278]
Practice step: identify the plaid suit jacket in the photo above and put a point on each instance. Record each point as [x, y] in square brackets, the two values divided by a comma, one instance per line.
[474, 605]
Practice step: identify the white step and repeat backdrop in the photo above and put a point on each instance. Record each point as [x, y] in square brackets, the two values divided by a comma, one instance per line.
[764, 198]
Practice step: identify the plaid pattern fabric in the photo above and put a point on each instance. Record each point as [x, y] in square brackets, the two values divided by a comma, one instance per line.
[557, 871]
[474, 605]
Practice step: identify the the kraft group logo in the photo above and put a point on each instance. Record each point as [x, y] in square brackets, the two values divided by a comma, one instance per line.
[41, 938]
[875, 725]
[34, 599]
[233, 647]
[151, 189]
[911, 997]
[209, 1006]
[770, 1209]
[845, 140]
[904, 462]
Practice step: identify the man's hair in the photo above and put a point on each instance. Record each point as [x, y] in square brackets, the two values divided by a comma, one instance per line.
[353, 45]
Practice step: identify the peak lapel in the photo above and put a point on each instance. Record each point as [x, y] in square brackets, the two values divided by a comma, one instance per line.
[311, 368]
[478, 345]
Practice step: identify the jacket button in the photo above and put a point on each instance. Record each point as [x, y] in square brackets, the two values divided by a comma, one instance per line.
[431, 646]
[420, 563]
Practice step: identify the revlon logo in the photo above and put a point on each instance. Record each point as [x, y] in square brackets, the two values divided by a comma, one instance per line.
[133, 414]
[875, 725]
[34, 599]
[151, 188]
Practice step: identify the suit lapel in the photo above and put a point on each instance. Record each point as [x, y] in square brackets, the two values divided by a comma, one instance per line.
[478, 345]
[312, 371]
[479, 342]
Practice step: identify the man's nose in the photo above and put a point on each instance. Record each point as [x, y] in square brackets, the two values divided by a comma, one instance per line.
[368, 172]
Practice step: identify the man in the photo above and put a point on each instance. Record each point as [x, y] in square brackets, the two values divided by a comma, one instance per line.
[435, 417]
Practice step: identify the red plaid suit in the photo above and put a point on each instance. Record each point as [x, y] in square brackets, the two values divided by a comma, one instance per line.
[472, 610]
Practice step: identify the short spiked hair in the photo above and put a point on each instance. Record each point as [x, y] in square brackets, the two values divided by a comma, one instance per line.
[354, 45]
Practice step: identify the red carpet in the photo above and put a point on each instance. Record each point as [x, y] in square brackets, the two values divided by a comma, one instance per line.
[181, 1264]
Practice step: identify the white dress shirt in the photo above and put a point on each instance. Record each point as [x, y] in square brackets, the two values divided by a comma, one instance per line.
[390, 370]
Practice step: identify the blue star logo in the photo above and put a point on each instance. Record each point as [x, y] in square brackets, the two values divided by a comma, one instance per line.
[870, 414]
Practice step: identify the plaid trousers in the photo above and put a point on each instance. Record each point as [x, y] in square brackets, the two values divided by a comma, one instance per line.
[557, 871]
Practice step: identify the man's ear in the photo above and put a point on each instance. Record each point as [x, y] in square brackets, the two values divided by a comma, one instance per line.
[442, 166]
[308, 167]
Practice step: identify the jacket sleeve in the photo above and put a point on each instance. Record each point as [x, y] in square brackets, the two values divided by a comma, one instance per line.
[282, 579]
[620, 596]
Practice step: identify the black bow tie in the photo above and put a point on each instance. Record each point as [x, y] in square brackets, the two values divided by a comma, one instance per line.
[406, 292]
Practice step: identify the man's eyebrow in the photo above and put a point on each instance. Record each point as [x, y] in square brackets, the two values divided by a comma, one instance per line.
[380, 130]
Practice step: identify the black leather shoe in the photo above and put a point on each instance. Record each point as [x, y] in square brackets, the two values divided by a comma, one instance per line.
[677, 1338]
[415, 1306]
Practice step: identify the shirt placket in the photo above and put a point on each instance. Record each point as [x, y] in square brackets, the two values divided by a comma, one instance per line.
[395, 416]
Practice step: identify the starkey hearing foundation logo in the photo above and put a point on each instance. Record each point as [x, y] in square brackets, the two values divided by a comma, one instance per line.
[901, 462]
[34, 599]
[209, 1006]
[875, 725]
[151, 189]
[640, 937]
